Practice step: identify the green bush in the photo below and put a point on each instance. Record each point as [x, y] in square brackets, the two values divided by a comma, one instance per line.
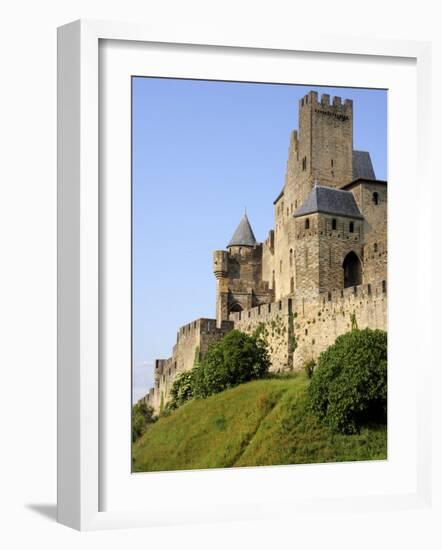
[142, 416]
[235, 359]
[182, 389]
[349, 386]
[309, 368]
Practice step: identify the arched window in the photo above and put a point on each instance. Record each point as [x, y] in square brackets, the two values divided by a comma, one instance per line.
[235, 308]
[352, 227]
[291, 257]
[334, 224]
[307, 223]
[352, 270]
[375, 198]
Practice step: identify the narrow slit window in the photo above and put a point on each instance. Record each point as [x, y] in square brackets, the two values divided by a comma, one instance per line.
[352, 227]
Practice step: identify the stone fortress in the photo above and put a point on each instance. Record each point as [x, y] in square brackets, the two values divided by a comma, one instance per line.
[322, 269]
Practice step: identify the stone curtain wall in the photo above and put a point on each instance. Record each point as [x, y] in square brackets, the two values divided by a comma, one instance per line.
[193, 340]
[317, 323]
[274, 322]
[298, 329]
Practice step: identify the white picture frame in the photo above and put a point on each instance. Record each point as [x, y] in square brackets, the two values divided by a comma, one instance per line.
[80, 438]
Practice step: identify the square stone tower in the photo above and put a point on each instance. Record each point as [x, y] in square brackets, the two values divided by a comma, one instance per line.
[322, 150]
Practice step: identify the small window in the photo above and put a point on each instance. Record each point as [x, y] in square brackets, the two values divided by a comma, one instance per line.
[334, 224]
[352, 227]
[332, 163]
[375, 198]
[384, 286]
[291, 257]
[375, 246]
[304, 164]
[292, 285]
[307, 223]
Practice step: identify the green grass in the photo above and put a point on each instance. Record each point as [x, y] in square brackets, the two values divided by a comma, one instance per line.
[260, 423]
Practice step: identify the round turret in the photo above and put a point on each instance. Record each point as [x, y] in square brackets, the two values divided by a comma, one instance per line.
[220, 263]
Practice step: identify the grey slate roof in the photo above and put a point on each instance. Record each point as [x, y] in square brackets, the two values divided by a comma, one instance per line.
[329, 201]
[362, 166]
[243, 235]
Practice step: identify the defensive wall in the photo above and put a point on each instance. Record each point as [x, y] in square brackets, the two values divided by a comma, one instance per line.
[296, 329]
[300, 327]
[192, 342]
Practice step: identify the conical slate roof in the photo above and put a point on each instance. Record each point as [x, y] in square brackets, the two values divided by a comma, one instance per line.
[329, 201]
[243, 235]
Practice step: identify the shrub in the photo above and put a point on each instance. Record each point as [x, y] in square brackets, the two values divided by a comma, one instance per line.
[142, 416]
[182, 389]
[235, 359]
[309, 367]
[349, 386]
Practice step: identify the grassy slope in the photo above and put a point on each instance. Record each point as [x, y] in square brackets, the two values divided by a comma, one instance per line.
[259, 423]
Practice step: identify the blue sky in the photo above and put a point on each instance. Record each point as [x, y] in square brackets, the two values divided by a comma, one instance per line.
[202, 151]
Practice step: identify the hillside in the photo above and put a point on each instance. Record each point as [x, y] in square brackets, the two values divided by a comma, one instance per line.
[259, 423]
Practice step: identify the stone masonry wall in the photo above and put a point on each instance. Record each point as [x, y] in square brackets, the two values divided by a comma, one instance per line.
[274, 321]
[299, 328]
[192, 343]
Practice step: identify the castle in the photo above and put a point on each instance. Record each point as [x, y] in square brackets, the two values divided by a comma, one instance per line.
[323, 267]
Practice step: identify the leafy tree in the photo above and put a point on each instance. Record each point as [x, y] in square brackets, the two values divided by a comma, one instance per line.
[349, 385]
[142, 416]
[235, 359]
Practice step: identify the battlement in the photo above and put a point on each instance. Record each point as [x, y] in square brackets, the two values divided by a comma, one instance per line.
[282, 307]
[336, 104]
[201, 326]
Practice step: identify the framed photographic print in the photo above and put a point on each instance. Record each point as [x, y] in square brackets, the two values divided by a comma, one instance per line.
[235, 221]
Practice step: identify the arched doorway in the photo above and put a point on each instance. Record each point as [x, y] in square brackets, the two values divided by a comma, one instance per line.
[352, 270]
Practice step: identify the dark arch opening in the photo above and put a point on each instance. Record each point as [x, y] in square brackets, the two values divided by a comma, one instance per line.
[352, 270]
[375, 198]
[235, 308]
